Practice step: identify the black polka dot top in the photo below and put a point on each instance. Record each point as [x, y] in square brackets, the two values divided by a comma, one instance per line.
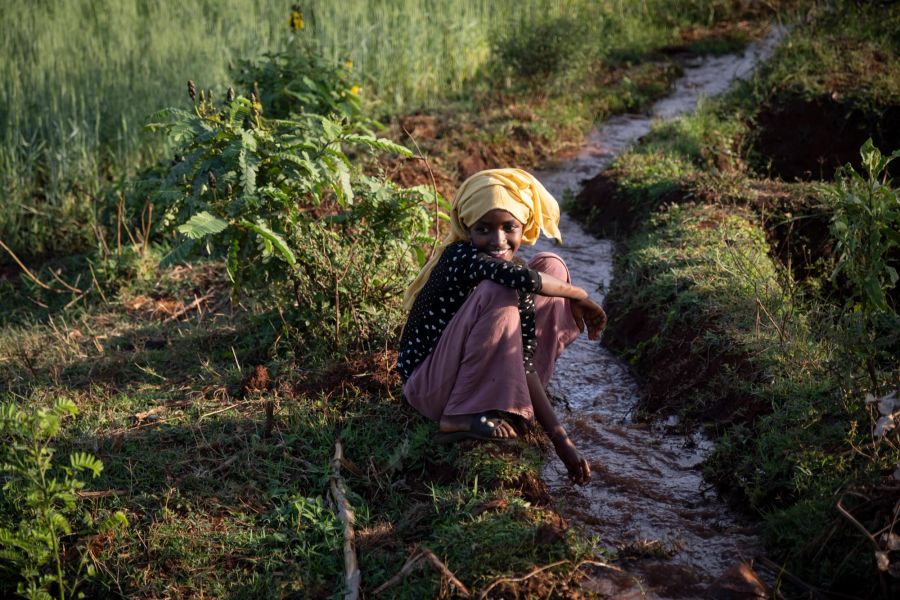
[460, 268]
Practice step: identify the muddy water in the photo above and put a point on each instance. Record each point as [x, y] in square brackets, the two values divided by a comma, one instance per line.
[647, 496]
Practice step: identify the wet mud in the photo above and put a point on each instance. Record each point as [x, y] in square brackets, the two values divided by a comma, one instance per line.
[647, 497]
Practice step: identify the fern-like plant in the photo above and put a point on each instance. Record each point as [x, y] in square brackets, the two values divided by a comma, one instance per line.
[41, 523]
[300, 226]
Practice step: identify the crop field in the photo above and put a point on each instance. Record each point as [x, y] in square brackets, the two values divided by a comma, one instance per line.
[82, 78]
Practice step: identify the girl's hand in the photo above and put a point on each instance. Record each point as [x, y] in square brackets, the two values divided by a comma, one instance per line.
[579, 470]
[589, 313]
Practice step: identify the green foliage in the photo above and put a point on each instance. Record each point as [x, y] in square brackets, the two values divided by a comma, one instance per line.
[297, 223]
[39, 510]
[865, 223]
[540, 49]
[300, 80]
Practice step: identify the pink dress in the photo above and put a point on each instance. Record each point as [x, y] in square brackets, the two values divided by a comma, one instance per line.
[477, 364]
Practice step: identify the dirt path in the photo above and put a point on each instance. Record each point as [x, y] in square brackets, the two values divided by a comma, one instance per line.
[648, 497]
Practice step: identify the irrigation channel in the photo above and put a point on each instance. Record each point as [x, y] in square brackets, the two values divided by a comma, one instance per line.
[647, 495]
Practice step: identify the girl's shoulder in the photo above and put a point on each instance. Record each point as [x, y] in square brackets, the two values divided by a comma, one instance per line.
[458, 250]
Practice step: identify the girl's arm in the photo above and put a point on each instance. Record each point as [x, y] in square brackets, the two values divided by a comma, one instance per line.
[578, 467]
[557, 288]
[586, 311]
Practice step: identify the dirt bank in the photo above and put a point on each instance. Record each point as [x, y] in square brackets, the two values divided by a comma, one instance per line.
[801, 138]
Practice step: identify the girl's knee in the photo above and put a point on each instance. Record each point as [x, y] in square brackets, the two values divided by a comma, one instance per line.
[489, 293]
[551, 264]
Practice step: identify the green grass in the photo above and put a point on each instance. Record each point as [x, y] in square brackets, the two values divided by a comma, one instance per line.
[845, 49]
[217, 508]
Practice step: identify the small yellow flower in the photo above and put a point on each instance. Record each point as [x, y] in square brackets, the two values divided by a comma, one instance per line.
[355, 90]
[348, 63]
[296, 19]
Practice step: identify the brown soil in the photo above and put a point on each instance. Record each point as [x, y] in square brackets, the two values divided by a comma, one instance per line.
[807, 139]
[9, 272]
[796, 226]
[372, 373]
[457, 146]
[604, 211]
[256, 382]
[672, 374]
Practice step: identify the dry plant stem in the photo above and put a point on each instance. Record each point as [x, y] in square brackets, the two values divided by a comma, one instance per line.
[101, 242]
[221, 410]
[100, 493]
[857, 524]
[408, 567]
[122, 221]
[440, 566]
[225, 463]
[596, 563]
[145, 229]
[496, 582]
[814, 592]
[352, 575]
[71, 288]
[771, 320]
[97, 284]
[73, 301]
[270, 418]
[433, 189]
[119, 227]
[195, 304]
[25, 270]
[872, 539]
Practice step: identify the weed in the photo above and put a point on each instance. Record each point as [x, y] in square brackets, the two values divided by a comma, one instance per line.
[279, 200]
[40, 505]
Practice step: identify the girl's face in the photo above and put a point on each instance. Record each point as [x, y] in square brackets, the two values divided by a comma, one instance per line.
[497, 233]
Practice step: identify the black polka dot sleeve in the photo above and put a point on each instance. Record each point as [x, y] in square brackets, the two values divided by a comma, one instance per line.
[529, 331]
[461, 268]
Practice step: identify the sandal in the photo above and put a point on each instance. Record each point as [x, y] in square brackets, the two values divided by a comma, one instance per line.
[481, 427]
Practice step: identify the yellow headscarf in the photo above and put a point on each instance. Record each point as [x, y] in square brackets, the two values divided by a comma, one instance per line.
[513, 190]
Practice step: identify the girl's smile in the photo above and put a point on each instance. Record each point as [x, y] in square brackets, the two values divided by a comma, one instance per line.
[497, 233]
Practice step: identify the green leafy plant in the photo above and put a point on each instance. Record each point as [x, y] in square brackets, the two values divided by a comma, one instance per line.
[299, 80]
[39, 511]
[297, 224]
[866, 224]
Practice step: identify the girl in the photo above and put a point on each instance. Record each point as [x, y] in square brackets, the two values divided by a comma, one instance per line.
[485, 329]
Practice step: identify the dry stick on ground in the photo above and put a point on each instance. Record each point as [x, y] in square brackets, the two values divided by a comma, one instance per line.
[97, 283]
[857, 524]
[345, 514]
[100, 493]
[595, 563]
[414, 561]
[440, 566]
[496, 582]
[25, 270]
[419, 554]
[871, 537]
[195, 304]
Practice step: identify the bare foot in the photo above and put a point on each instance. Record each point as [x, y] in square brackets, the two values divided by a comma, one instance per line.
[486, 422]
